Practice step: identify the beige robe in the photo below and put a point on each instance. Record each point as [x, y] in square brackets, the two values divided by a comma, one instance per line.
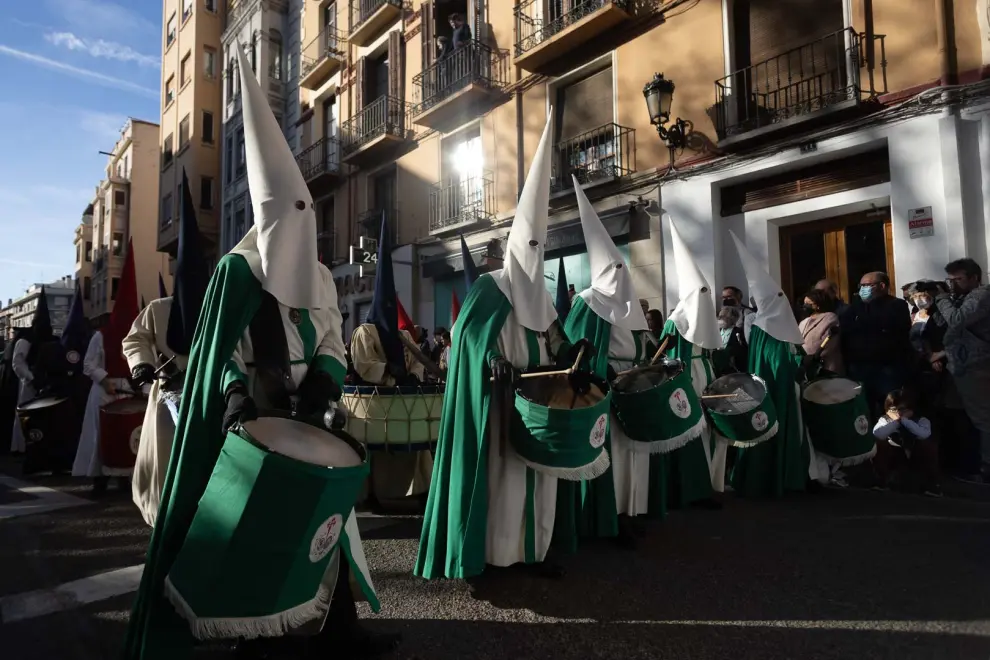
[393, 475]
[142, 345]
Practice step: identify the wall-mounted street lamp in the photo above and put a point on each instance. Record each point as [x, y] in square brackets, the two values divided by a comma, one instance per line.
[659, 94]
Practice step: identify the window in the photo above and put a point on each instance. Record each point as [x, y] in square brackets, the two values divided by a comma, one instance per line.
[184, 69]
[228, 157]
[167, 210]
[184, 132]
[240, 217]
[241, 156]
[78, 253]
[169, 90]
[127, 169]
[114, 285]
[275, 54]
[89, 251]
[167, 152]
[119, 199]
[206, 193]
[230, 81]
[254, 52]
[87, 285]
[588, 143]
[210, 63]
[187, 6]
[211, 6]
[207, 127]
[170, 31]
[118, 243]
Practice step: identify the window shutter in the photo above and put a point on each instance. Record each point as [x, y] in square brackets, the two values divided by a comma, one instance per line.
[396, 68]
[584, 105]
[776, 26]
[429, 34]
[359, 82]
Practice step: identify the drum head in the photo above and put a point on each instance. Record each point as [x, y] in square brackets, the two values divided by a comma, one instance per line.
[749, 391]
[556, 392]
[641, 381]
[302, 442]
[831, 390]
[44, 402]
[127, 406]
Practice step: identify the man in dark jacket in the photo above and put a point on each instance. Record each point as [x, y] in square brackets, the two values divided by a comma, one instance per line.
[875, 339]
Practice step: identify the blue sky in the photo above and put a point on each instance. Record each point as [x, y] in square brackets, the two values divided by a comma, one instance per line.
[71, 72]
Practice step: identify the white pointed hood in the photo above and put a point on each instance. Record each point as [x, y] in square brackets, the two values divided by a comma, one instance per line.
[521, 277]
[281, 246]
[611, 296]
[694, 315]
[773, 311]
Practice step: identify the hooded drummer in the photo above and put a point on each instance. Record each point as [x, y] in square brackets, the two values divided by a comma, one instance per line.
[160, 339]
[785, 462]
[269, 337]
[486, 505]
[610, 317]
[691, 333]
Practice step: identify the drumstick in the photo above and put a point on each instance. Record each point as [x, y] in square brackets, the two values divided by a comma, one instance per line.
[719, 396]
[164, 364]
[635, 370]
[420, 357]
[656, 356]
[560, 372]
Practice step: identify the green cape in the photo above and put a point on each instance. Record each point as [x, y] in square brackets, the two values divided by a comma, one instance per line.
[781, 463]
[156, 632]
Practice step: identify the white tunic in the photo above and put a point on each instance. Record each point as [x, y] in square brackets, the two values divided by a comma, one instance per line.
[25, 391]
[701, 377]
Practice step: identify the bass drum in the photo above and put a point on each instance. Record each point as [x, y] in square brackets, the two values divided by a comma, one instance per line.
[120, 432]
[47, 423]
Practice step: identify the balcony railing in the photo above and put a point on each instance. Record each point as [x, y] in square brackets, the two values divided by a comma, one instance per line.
[322, 157]
[822, 74]
[371, 223]
[325, 246]
[328, 48]
[604, 153]
[539, 20]
[471, 64]
[462, 201]
[362, 10]
[386, 115]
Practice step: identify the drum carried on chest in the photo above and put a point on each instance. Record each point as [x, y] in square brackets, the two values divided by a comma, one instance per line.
[559, 432]
[837, 417]
[742, 413]
[48, 423]
[394, 419]
[120, 432]
[265, 529]
[660, 411]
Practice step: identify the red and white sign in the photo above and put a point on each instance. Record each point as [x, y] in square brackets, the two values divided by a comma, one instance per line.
[920, 223]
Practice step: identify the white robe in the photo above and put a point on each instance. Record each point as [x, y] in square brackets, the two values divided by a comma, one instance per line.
[142, 345]
[393, 475]
[88, 462]
[505, 541]
[25, 390]
[701, 378]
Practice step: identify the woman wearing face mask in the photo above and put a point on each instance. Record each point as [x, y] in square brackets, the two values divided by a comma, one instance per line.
[820, 322]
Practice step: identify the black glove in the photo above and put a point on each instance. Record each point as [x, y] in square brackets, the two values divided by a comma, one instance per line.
[316, 392]
[610, 374]
[142, 374]
[572, 353]
[503, 370]
[409, 380]
[240, 406]
[580, 382]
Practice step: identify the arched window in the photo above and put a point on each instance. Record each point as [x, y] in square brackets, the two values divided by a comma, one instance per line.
[231, 73]
[275, 54]
[254, 52]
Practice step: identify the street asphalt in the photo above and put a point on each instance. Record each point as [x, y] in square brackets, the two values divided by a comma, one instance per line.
[849, 574]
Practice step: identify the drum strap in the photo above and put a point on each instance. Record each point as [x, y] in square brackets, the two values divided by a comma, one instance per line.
[273, 373]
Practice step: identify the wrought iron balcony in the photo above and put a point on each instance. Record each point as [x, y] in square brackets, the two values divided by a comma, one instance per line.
[320, 162]
[801, 83]
[546, 31]
[374, 129]
[322, 57]
[462, 201]
[454, 89]
[602, 154]
[371, 223]
[369, 18]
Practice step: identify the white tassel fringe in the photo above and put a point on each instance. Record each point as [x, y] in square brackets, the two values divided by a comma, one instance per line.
[670, 444]
[771, 432]
[590, 471]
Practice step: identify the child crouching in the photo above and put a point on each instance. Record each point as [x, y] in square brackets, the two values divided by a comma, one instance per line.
[904, 438]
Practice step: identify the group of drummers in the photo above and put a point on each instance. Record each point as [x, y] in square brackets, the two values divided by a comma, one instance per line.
[250, 454]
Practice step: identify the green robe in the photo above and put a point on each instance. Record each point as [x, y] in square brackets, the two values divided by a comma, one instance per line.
[156, 632]
[455, 525]
[686, 470]
[781, 463]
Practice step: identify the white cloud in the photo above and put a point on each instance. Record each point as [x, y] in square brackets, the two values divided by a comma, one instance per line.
[99, 78]
[105, 18]
[100, 48]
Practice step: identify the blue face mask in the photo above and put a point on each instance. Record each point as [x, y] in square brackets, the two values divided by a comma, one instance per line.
[865, 293]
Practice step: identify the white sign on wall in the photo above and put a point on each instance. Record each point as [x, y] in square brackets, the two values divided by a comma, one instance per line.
[920, 222]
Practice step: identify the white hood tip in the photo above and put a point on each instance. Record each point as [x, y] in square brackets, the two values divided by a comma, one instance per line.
[521, 279]
[774, 314]
[694, 314]
[612, 295]
[281, 247]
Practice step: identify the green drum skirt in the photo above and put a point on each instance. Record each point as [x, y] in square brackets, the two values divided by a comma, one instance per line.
[658, 412]
[741, 412]
[837, 417]
[265, 530]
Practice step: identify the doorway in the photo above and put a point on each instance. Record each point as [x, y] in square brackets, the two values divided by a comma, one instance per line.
[841, 249]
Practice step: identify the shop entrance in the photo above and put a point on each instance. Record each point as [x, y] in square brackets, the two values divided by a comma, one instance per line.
[841, 249]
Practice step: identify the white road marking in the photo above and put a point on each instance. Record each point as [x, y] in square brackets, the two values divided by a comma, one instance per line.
[43, 500]
[70, 595]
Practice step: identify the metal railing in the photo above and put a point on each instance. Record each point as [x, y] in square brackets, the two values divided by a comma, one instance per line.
[472, 63]
[460, 201]
[362, 10]
[805, 79]
[370, 223]
[330, 43]
[603, 153]
[322, 157]
[325, 246]
[386, 115]
[539, 20]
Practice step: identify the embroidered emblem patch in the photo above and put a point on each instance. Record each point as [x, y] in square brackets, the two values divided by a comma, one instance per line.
[760, 421]
[326, 537]
[72, 357]
[295, 316]
[679, 403]
[597, 437]
[135, 441]
[35, 435]
[862, 425]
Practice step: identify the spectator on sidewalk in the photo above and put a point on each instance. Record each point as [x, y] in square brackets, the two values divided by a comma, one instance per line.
[903, 437]
[732, 296]
[830, 288]
[821, 322]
